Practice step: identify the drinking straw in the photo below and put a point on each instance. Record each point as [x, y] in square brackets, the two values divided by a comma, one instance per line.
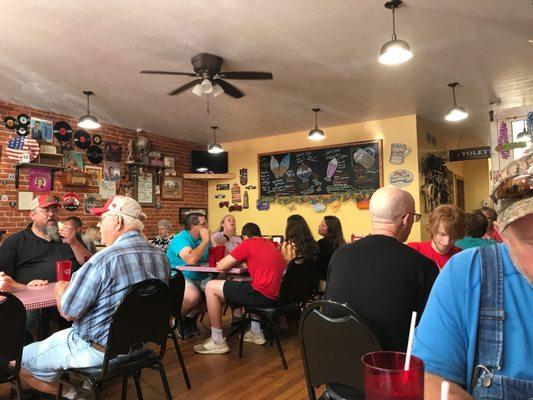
[410, 342]
[444, 390]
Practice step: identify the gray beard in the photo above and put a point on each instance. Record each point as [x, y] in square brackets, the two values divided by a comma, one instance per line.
[521, 270]
[52, 232]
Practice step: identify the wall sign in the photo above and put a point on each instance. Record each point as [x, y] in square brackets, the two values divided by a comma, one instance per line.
[473, 153]
[347, 168]
[400, 178]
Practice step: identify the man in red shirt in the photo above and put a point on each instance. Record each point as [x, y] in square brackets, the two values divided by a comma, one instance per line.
[446, 226]
[265, 265]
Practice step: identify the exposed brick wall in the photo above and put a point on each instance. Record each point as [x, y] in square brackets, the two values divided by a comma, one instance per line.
[13, 220]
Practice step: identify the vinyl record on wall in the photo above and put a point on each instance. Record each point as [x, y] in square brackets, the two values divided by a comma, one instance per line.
[22, 130]
[97, 139]
[62, 131]
[82, 139]
[10, 122]
[23, 120]
[95, 154]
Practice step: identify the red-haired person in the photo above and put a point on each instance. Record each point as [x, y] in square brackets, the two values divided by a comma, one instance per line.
[446, 225]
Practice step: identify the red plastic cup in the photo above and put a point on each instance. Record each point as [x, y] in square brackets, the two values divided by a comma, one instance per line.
[63, 270]
[220, 252]
[212, 257]
[385, 378]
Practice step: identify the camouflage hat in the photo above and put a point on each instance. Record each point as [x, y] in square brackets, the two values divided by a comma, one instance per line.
[509, 210]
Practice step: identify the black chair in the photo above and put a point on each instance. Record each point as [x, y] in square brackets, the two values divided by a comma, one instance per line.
[12, 335]
[297, 285]
[176, 287]
[333, 338]
[141, 317]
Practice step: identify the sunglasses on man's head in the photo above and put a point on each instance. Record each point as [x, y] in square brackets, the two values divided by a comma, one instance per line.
[514, 187]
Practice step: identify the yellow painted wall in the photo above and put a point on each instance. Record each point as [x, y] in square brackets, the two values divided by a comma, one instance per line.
[243, 154]
[476, 174]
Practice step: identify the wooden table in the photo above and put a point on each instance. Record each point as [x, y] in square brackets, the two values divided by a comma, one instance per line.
[37, 297]
[207, 268]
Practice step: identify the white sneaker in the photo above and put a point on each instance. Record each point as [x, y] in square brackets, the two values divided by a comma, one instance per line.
[255, 338]
[209, 346]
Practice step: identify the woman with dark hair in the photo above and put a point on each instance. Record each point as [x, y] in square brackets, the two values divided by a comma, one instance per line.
[331, 230]
[299, 241]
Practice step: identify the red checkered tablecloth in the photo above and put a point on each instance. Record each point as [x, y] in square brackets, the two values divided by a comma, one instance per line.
[37, 297]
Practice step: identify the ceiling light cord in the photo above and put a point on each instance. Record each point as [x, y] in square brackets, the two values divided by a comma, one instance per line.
[394, 24]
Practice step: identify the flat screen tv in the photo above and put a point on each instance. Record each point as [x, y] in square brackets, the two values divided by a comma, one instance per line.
[204, 162]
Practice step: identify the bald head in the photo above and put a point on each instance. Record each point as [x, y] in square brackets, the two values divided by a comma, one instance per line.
[390, 203]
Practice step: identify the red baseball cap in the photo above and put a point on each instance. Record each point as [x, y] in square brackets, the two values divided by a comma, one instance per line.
[123, 205]
[45, 200]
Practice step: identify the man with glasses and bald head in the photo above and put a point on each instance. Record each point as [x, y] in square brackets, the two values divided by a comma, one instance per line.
[29, 257]
[381, 278]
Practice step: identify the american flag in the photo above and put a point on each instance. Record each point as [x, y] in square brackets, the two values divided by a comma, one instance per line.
[19, 145]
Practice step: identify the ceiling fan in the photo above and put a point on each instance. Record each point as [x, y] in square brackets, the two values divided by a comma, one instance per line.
[210, 80]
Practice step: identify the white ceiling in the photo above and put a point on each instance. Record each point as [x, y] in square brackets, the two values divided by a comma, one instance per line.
[322, 53]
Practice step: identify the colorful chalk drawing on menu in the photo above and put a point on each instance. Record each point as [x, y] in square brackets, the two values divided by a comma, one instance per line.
[346, 168]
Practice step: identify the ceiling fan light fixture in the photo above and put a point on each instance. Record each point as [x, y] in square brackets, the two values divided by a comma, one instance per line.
[217, 90]
[215, 148]
[316, 134]
[456, 113]
[395, 51]
[197, 90]
[88, 121]
[206, 86]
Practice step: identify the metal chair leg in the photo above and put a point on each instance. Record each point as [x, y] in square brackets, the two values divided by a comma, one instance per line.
[180, 359]
[280, 350]
[137, 385]
[165, 381]
[124, 387]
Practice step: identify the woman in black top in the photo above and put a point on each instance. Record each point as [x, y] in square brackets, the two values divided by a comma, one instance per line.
[331, 229]
[299, 240]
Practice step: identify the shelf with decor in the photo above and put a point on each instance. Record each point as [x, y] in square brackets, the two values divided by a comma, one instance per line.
[209, 177]
[52, 168]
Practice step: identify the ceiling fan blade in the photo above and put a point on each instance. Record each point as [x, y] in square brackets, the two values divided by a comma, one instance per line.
[229, 89]
[168, 73]
[246, 75]
[184, 87]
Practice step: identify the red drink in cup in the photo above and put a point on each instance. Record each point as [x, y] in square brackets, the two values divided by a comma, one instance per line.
[63, 270]
[385, 378]
[212, 257]
[220, 252]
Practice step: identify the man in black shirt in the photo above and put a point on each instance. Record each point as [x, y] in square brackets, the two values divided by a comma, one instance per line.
[29, 257]
[379, 277]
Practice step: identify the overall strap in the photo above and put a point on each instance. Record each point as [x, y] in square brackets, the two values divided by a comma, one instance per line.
[491, 314]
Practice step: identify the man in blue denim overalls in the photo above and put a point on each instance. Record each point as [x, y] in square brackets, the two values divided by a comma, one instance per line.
[477, 328]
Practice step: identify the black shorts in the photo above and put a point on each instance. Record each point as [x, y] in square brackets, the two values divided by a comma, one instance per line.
[239, 293]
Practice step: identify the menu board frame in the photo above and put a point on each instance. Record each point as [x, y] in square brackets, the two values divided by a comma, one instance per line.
[323, 149]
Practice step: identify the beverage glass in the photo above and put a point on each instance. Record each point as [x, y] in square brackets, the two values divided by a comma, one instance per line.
[220, 252]
[385, 378]
[63, 270]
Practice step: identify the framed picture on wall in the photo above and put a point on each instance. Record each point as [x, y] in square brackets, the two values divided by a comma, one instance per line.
[186, 211]
[95, 174]
[172, 188]
[145, 189]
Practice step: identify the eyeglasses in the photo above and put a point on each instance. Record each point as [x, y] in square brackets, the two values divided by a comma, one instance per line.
[514, 187]
[416, 216]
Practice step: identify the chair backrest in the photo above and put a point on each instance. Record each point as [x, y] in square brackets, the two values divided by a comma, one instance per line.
[176, 290]
[141, 317]
[12, 329]
[333, 338]
[299, 281]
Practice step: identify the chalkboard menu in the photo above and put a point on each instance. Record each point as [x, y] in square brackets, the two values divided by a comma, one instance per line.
[347, 168]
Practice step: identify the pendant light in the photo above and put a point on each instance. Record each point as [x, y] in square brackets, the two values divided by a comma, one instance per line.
[316, 134]
[215, 148]
[88, 121]
[456, 113]
[395, 51]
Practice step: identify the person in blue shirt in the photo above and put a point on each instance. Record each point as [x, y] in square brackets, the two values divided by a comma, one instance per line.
[476, 226]
[91, 297]
[191, 247]
[477, 328]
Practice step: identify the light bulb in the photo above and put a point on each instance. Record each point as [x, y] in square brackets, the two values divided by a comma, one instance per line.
[395, 52]
[215, 148]
[206, 86]
[197, 90]
[456, 113]
[217, 89]
[316, 135]
[88, 122]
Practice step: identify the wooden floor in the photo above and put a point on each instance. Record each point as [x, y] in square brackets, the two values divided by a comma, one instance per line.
[258, 375]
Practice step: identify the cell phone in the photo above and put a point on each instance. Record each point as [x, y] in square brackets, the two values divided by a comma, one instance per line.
[277, 239]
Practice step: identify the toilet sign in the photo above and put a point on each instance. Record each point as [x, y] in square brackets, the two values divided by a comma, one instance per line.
[473, 153]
